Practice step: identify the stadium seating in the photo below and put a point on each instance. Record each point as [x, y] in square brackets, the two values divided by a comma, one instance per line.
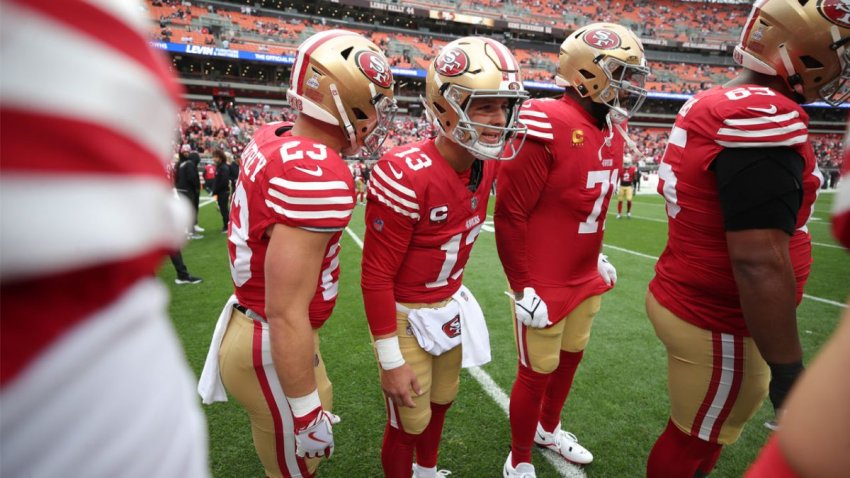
[258, 33]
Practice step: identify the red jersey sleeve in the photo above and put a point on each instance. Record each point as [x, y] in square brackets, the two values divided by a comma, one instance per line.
[310, 194]
[518, 189]
[763, 119]
[391, 214]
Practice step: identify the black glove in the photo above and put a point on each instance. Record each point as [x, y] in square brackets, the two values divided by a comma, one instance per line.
[782, 378]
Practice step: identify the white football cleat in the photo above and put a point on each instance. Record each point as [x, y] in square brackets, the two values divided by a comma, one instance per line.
[563, 443]
[522, 470]
[421, 472]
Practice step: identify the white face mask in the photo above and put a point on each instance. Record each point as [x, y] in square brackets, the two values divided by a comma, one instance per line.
[465, 132]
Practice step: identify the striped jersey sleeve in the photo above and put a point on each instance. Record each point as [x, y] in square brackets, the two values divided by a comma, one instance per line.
[760, 124]
[311, 195]
[391, 185]
[538, 122]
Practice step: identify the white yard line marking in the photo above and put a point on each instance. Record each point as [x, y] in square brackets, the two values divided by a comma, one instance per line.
[833, 246]
[647, 256]
[492, 389]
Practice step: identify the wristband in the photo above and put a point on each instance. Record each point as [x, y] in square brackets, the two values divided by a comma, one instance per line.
[389, 353]
[302, 406]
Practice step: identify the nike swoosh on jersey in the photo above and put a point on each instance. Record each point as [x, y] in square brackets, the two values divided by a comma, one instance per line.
[397, 174]
[312, 172]
[769, 111]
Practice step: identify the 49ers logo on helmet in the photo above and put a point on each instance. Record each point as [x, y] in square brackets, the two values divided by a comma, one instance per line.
[837, 12]
[375, 68]
[452, 62]
[602, 39]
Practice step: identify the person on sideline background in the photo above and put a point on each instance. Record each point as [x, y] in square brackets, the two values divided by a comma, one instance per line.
[626, 189]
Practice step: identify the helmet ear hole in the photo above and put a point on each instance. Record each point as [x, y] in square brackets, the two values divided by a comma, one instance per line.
[345, 53]
[587, 74]
[359, 114]
[811, 62]
[439, 108]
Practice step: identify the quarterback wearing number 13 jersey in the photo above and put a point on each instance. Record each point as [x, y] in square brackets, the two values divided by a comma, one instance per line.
[694, 277]
[421, 228]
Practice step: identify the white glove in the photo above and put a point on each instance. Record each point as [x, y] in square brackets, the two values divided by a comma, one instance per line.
[606, 270]
[316, 438]
[530, 309]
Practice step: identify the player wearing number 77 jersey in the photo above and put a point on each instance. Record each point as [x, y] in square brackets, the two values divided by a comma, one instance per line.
[427, 203]
[551, 204]
[294, 197]
[740, 179]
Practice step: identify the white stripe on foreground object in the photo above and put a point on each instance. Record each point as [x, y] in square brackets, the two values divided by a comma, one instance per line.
[807, 296]
[564, 468]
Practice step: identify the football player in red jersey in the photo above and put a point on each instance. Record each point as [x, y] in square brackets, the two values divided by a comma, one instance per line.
[817, 406]
[557, 192]
[627, 188]
[294, 196]
[427, 203]
[740, 179]
[93, 381]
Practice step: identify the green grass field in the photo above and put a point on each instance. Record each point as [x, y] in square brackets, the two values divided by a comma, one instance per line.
[618, 404]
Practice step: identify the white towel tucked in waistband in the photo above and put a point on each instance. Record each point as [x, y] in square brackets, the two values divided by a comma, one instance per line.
[210, 387]
[460, 322]
[475, 336]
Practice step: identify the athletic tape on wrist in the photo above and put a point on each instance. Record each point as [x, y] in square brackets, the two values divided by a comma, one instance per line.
[389, 353]
[302, 406]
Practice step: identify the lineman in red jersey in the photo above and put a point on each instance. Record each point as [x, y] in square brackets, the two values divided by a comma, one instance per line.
[626, 189]
[93, 381]
[427, 203]
[294, 196]
[557, 192]
[740, 180]
[817, 406]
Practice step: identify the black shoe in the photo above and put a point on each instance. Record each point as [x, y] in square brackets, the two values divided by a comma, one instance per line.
[188, 280]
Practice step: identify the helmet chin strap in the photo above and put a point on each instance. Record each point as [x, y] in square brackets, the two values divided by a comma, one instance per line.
[616, 124]
[348, 128]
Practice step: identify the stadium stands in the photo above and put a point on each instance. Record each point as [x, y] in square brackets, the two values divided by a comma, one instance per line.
[253, 32]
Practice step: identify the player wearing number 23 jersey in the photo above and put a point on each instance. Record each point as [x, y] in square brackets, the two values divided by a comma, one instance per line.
[295, 181]
[294, 197]
[740, 179]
